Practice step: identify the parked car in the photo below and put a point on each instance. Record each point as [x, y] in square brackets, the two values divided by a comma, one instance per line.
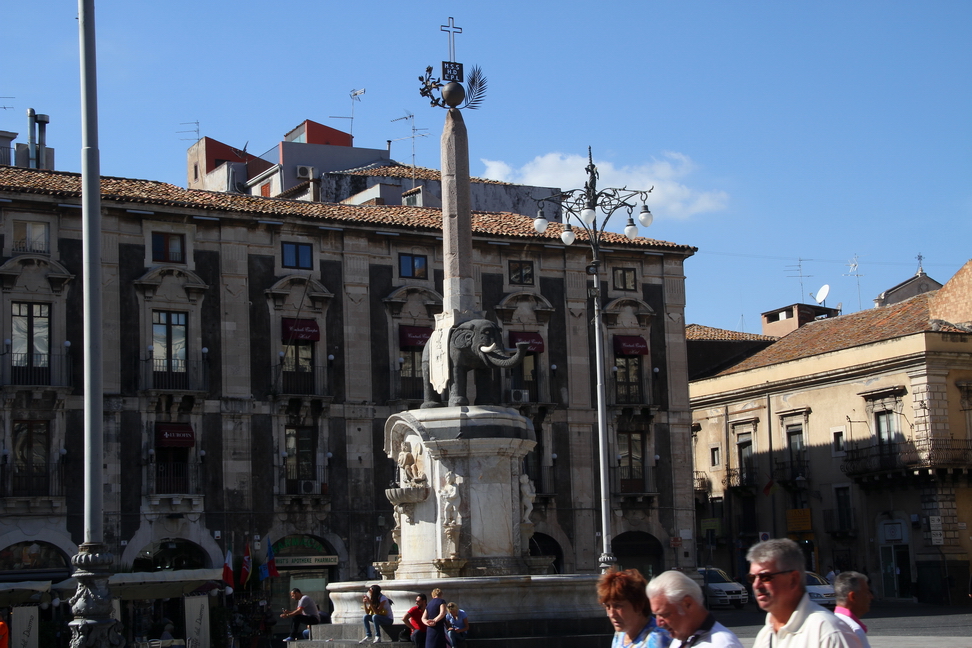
[722, 590]
[821, 592]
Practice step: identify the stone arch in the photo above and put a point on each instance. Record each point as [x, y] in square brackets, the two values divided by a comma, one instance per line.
[415, 302]
[196, 534]
[315, 297]
[28, 272]
[171, 553]
[524, 307]
[542, 544]
[628, 312]
[639, 550]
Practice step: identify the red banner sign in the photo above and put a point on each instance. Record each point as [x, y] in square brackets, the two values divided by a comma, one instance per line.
[300, 329]
[174, 435]
[630, 345]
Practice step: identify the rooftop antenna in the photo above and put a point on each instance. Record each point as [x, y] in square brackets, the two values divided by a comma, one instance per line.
[191, 130]
[798, 268]
[7, 107]
[415, 133]
[920, 269]
[355, 96]
[852, 272]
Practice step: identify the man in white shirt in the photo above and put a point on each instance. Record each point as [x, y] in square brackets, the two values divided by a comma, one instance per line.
[677, 603]
[853, 601]
[778, 575]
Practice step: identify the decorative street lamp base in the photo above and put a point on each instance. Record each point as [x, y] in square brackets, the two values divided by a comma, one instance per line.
[93, 626]
[608, 561]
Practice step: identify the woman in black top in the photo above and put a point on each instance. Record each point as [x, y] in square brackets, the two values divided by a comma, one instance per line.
[434, 618]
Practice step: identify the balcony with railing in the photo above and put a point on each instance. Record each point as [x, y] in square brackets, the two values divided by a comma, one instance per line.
[43, 480]
[174, 375]
[407, 387]
[175, 478]
[37, 369]
[525, 389]
[741, 478]
[840, 522]
[295, 380]
[626, 393]
[792, 472]
[701, 481]
[303, 480]
[908, 456]
[635, 480]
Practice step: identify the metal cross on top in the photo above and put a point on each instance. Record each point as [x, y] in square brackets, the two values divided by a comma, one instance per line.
[452, 30]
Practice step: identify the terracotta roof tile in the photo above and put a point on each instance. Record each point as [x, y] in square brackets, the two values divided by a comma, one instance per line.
[149, 192]
[700, 332]
[837, 333]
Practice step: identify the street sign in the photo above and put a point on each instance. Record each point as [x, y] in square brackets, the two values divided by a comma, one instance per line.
[675, 541]
[764, 536]
[938, 537]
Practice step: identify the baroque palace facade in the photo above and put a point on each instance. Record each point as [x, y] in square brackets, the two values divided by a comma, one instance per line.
[254, 348]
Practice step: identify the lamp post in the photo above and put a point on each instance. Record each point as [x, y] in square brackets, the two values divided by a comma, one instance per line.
[580, 208]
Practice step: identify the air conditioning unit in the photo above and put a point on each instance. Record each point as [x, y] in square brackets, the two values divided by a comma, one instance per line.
[310, 487]
[519, 396]
[305, 172]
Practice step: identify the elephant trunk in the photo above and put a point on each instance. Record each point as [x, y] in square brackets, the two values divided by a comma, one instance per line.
[503, 361]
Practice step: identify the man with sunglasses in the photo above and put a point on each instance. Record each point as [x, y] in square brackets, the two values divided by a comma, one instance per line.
[778, 576]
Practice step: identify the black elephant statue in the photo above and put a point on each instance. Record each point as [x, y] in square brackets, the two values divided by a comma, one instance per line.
[473, 344]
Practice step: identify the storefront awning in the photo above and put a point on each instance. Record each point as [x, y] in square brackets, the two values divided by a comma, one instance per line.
[535, 340]
[22, 592]
[300, 329]
[135, 586]
[413, 336]
[174, 435]
[630, 345]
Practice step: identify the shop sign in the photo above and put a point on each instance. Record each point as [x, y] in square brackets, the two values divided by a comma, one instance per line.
[306, 561]
[798, 520]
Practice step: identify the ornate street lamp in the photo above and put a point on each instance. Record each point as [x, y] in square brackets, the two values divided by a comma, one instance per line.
[580, 208]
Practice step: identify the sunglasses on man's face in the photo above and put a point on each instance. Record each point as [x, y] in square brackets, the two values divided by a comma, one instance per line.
[766, 577]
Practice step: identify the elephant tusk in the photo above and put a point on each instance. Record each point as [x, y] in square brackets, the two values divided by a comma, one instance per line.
[490, 349]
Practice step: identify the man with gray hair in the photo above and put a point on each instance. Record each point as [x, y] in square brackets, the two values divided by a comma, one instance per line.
[778, 576]
[677, 603]
[853, 601]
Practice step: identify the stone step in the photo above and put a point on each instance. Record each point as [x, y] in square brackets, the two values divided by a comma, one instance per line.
[573, 641]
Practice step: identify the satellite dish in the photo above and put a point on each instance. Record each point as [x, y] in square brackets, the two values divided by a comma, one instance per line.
[822, 293]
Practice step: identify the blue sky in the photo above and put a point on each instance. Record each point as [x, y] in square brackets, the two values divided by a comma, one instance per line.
[777, 135]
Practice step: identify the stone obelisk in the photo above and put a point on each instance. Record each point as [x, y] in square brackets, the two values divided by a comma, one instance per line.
[459, 298]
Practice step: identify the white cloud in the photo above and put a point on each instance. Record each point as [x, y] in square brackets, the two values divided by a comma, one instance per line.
[672, 197]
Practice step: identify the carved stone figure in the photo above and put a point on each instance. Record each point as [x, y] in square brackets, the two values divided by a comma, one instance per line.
[474, 344]
[450, 500]
[406, 465]
[527, 495]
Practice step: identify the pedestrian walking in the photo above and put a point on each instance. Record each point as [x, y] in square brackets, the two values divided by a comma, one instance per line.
[623, 596]
[679, 607]
[853, 593]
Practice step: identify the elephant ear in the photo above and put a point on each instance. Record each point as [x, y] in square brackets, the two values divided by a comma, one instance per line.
[462, 339]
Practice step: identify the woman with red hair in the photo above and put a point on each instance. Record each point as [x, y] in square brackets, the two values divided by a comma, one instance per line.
[622, 593]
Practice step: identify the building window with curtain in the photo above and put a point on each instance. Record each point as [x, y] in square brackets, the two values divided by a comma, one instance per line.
[624, 279]
[299, 372]
[633, 472]
[168, 248]
[525, 378]
[31, 237]
[413, 265]
[297, 255]
[521, 273]
[30, 343]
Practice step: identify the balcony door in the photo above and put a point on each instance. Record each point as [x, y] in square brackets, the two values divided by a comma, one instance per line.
[631, 450]
[31, 449]
[169, 337]
[300, 466]
[744, 451]
[30, 351]
[298, 367]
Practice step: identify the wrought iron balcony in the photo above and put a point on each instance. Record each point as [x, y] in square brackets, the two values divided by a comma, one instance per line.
[175, 375]
[632, 480]
[304, 480]
[627, 393]
[302, 381]
[702, 482]
[840, 522]
[908, 455]
[175, 478]
[37, 369]
[792, 472]
[741, 478]
[32, 480]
